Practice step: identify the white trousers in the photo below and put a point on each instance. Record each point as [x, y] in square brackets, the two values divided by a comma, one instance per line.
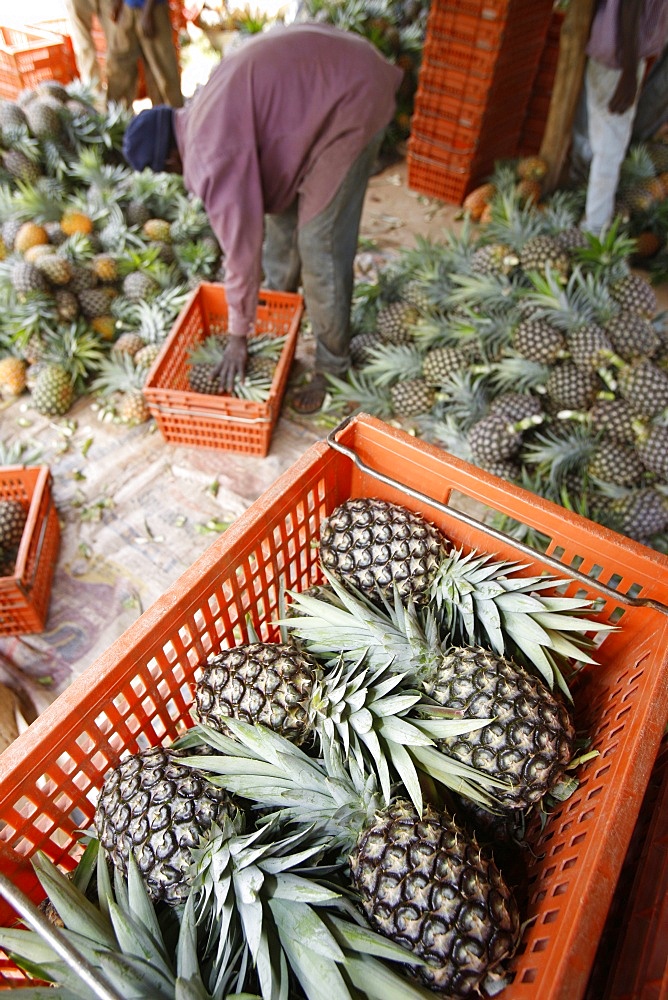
[609, 137]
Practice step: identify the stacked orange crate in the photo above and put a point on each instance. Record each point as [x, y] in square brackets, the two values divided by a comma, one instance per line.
[539, 104]
[479, 64]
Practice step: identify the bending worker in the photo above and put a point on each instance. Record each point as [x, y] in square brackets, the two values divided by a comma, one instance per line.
[279, 145]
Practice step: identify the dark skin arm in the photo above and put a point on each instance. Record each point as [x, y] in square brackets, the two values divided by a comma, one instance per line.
[232, 365]
[628, 29]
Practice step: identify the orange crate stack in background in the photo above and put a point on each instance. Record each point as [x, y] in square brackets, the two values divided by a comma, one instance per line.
[28, 56]
[484, 55]
[24, 597]
[212, 421]
[140, 691]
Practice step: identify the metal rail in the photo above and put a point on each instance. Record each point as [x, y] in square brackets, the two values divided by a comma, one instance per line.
[559, 567]
[30, 914]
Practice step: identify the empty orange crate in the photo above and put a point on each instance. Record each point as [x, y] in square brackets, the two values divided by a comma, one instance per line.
[431, 178]
[206, 421]
[29, 56]
[140, 691]
[24, 597]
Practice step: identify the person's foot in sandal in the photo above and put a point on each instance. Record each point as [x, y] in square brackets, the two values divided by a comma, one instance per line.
[308, 398]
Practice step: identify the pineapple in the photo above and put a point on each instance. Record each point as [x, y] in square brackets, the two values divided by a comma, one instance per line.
[614, 418]
[440, 363]
[652, 445]
[640, 514]
[377, 546]
[27, 278]
[461, 933]
[632, 335]
[13, 517]
[644, 386]
[540, 341]
[410, 397]
[572, 388]
[154, 807]
[29, 235]
[635, 294]
[493, 439]
[395, 322]
[542, 253]
[53, 391]
[469, 681]
[74, 221]
[477, 200]
[119, 380]
[12, 375]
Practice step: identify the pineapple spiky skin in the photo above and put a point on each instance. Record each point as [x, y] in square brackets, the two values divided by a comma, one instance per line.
[616, 463]
[55, 268]
[157, 808]
[589, 346]
[411, 397]
[470, 679]
[635, 294]
[440, 362]
[133, 409]
[493, 258]
[375, 545]
[394, 322]
[516, 406]
[645, 388]
[138, 286]
[541, 252]
[52, 393]
[615, 418]
[262, 683]
[641, 514]
[13, 517]
[538, 340]
[632, 335]
[67, 305]
[20, 166]
[395, 866]
[493, 439]
[572, 388]
[652, 448]
[74, 221]
[27, 278]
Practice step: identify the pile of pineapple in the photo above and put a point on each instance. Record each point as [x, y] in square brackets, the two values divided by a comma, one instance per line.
[346, 817]
[532, 350]
[95, 259]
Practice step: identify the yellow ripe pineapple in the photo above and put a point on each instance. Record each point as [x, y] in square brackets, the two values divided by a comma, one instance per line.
[12, 375]
[533, 168]
[104, 267]
[29, 235]
[73, 221]
[477, 200]
[105, 326]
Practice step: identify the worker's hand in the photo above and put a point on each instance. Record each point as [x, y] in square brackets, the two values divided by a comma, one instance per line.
[625, 93]
[232, 364]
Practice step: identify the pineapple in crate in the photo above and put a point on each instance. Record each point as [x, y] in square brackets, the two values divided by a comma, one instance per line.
[13, 517]
[264, 352]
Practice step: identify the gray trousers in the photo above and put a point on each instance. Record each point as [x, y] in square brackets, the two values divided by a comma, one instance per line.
[320, 255]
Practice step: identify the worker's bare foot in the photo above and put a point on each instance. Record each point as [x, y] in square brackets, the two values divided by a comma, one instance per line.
[308, 398]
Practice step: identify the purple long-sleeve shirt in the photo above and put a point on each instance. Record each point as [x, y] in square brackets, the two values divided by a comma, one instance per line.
[285, 115]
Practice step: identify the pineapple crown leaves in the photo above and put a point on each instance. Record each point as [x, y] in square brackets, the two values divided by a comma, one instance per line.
[606, 255]
[118, 373]
[389, 363]
[560, 452]
[76, 348]
[463, 399]
[40, 202]
[562, 210]
[478, 291]
[121, 939]
[360, 391]
[512, 221]
[484, 601]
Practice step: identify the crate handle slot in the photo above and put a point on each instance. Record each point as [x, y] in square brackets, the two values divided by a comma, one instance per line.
[209, 415]
[560, 568]
[53, 936]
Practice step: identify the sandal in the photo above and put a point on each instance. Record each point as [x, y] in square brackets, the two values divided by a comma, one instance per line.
[308, 398]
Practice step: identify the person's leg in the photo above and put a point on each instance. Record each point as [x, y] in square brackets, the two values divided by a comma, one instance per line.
[652, 110]
[609, 136]
[327, 247]
[80, 20]
[123, 51]
[160, 57]
[280, 255]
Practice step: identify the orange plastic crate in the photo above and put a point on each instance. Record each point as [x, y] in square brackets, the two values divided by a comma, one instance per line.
[433, 179]
[29, 56]
[204, 421]
[140, 691]
[24, 597]
[632, 960]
